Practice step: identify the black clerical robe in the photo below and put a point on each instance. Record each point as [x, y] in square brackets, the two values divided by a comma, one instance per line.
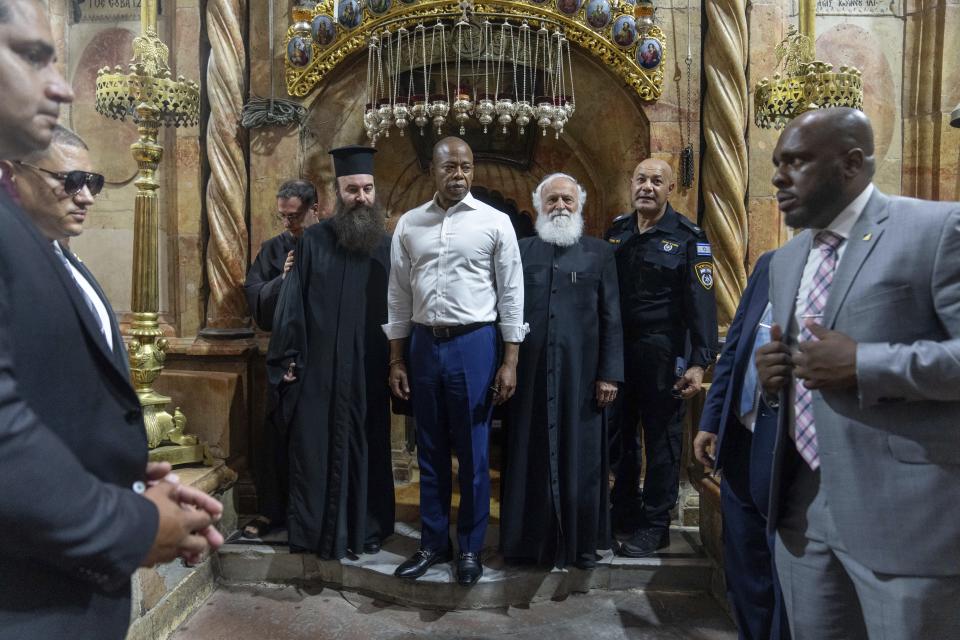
[328, 319]
[265, 276]
[555, 508]
[270, 463]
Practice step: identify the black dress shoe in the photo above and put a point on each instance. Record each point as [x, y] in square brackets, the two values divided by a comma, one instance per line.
[469, 568]
[371, 547]
[419, 562]
[645, 543]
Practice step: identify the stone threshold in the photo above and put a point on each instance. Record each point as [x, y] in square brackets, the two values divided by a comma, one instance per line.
[682, 567]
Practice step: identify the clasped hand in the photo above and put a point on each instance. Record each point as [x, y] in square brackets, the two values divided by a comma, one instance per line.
[828, 362]
[187, 516]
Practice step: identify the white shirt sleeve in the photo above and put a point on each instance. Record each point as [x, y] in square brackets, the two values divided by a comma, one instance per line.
[509, 274]
[399, 291]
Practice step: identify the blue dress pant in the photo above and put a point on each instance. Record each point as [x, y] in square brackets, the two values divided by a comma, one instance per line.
[752, 585]
[450, 381]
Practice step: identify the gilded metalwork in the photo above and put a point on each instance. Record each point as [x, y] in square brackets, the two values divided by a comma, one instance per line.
[150, 97]
[806, 83]
[319, 60]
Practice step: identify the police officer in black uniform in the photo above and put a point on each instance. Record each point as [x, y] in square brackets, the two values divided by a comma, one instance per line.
[665, 268]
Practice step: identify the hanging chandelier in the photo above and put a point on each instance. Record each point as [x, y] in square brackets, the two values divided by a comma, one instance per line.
[493, 74]
[806, 83]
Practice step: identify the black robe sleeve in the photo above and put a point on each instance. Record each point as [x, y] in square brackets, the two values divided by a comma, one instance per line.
[264, 279]
[288, 342]
[610, 365]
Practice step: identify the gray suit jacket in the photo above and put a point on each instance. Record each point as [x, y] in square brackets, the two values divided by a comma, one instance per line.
[889, 449]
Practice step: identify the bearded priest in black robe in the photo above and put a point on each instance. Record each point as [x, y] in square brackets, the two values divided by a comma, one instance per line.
[554, 508]
[296, 209]
[329, 357]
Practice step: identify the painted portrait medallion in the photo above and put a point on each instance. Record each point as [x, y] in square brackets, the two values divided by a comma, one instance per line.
[299, 51]
[324, 30]
[349, 14]
[625, 31]
[649, 54]
[598, 13]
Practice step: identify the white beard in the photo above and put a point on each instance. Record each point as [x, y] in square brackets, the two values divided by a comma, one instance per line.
[563, 230]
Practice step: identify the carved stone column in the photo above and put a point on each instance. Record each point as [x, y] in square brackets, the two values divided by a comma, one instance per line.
[227, 247]
[725, 166]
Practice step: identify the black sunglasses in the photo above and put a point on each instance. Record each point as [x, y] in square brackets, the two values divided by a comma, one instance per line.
[74, 181]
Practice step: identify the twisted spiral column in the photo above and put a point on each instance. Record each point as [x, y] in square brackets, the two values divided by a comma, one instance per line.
[227, 247]
[725, 165]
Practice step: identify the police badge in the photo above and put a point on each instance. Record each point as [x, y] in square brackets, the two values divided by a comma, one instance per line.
[704, 272]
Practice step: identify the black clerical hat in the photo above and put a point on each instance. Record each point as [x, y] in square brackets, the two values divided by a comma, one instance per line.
[352, 160]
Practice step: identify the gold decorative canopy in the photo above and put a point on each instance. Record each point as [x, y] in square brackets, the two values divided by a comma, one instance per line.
[806, 84]
[619, 33]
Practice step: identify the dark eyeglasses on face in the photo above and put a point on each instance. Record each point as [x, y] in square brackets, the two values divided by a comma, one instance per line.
[74, 181]
[291, 217]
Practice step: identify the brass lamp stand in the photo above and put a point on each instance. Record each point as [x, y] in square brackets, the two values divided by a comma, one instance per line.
[149, 95]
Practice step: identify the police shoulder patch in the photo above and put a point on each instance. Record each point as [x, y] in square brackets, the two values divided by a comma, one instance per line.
[704, 271]
[703, 249]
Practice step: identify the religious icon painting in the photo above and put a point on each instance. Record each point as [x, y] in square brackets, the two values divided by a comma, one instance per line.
[569, 7]
[649, 53]
[379, 7]
[324, 30]
[349, 14]
[598, 13]
[299, 51]
[625, 31]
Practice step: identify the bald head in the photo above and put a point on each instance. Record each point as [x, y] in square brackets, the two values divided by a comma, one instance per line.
[452, 170]
[651, 186]
[823, 161]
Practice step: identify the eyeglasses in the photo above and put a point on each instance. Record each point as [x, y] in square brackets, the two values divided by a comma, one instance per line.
[290, 217]
[74, 181]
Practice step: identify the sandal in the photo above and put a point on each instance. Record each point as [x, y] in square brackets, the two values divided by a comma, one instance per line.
[256, 528]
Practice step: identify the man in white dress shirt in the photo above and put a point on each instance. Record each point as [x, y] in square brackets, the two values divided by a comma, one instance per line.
[455, 266]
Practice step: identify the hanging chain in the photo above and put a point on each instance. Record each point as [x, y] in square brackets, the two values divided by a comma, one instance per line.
[686, 154]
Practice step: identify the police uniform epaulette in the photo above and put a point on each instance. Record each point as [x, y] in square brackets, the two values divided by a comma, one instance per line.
[689, 224]
[621, 217]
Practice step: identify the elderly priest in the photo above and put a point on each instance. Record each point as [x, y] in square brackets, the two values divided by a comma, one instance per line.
[555, 508]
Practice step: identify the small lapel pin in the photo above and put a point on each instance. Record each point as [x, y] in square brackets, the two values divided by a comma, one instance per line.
[867, 236]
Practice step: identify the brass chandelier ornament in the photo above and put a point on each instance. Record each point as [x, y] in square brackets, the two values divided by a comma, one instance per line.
[805, 83]
[484, 43]
[149, 96]
[515, 76]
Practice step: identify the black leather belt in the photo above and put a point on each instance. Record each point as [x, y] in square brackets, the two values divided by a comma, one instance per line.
[453, 332]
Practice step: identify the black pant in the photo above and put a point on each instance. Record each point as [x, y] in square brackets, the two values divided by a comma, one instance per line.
[647, 402]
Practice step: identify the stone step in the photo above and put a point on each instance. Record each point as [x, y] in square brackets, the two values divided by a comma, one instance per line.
[682, 567]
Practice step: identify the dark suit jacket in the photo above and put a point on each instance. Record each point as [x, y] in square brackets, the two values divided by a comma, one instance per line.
[72, 445]
[723, 398]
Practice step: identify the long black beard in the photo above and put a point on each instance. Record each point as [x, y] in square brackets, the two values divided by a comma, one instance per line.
[359, 229]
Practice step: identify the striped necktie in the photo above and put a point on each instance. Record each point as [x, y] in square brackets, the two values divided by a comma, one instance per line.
[806, 433]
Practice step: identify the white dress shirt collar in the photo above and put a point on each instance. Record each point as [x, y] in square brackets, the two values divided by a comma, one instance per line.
[842, 225]
[468, 202]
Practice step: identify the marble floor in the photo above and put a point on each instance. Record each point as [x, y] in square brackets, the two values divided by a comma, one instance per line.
[318, 613]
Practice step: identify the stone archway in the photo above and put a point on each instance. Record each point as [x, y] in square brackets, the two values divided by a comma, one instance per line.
[606, 138]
